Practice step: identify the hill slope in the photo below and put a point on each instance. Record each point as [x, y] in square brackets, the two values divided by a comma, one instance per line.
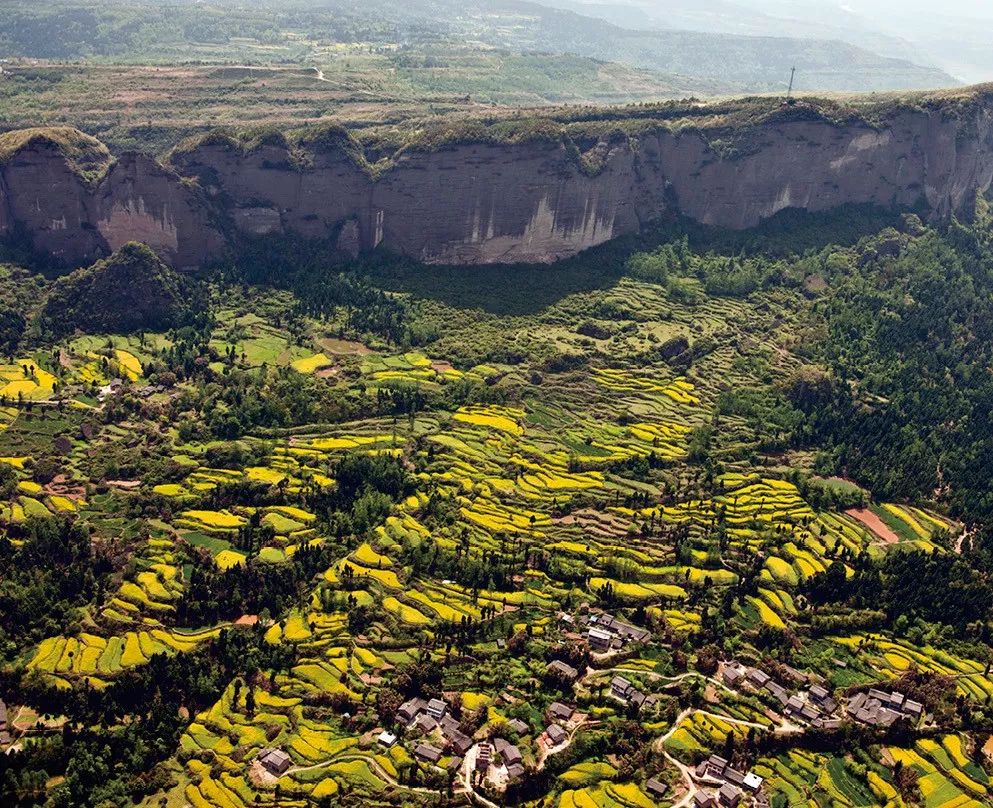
[139, 31]
[130, 291]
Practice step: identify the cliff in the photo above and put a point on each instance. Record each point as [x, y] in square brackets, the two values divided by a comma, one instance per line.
[507, 191]
[77, 204]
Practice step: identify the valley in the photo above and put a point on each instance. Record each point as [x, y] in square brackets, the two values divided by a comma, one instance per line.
[502, 403]
[349, 544]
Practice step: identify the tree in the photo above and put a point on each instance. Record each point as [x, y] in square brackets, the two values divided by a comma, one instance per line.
[11, 329]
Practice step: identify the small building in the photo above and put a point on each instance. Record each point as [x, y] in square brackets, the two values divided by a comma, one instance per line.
[410, 709]
[777, 691]
[794, 705]
[460, 742]
[656, 788]
[562, 670]
[819, 693]
[427, 753]
[620, 688]
[509, 753]
[732, 676]
[704, 799]
[734, 777]
[599, 640]
[856, 703]
[436, 708]
[449, 726]
[425, 724]
[624, 631]
[519, 727]
[556, 734]
[913, 708]
[557, 711]
[796, 675]
[752, 782]
[484, 754]
[515, 771]
[729, 796]
[387, 739]
[757, 677]
[274, 761]
[713, 766]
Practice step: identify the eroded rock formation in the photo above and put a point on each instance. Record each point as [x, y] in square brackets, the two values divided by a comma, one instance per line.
[465, 202]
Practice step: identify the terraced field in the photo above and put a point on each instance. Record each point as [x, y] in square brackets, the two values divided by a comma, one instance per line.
[523, 477]
[804, 777]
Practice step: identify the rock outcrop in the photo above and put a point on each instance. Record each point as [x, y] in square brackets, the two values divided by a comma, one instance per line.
[473, 199]
[77, 210]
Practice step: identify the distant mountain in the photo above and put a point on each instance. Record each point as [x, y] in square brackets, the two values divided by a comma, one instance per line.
[749, 18]
[748, 63]
[724, 53]
[954, 37]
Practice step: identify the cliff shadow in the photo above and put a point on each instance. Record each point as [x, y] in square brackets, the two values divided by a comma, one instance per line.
[523, 289]
[792, 231]
[503, 289]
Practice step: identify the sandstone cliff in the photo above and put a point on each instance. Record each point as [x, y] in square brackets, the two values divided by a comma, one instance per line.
[64, 191]
[481, 198]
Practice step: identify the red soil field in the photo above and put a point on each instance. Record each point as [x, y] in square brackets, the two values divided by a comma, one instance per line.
[874, 523]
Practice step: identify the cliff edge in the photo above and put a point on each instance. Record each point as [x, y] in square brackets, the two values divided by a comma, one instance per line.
[533, 190]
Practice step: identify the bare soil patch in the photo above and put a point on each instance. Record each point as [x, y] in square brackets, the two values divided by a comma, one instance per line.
[125, 484]
[343, 346]
[874, 523]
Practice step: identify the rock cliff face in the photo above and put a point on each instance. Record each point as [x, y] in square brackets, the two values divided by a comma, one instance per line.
[139, 200]
[532, 200]
[5, 220]
[77, 218]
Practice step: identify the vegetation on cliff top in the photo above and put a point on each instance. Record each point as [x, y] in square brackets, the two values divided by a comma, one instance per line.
[87, 156]
[582, 127]
[132, 290]
[375, 148]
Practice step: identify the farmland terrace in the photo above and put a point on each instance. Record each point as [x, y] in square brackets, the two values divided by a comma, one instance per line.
[597, 534]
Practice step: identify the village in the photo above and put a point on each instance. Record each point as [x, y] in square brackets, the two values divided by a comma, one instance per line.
[488, 761]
